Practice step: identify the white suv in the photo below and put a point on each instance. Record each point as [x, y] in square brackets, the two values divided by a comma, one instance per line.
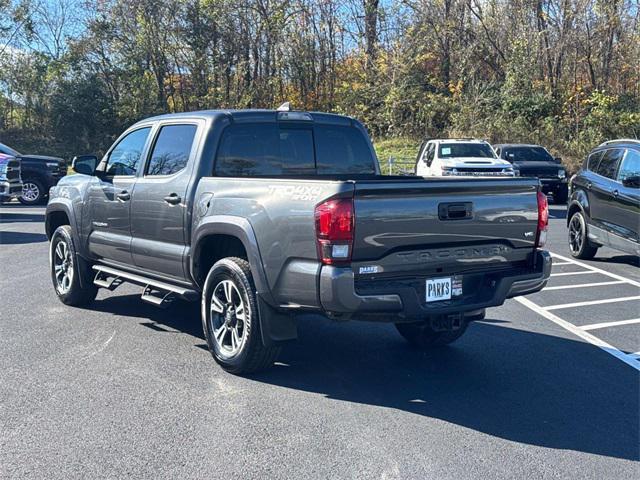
[461, 157]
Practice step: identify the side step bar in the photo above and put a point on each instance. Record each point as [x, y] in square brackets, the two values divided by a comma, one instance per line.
[155, 292]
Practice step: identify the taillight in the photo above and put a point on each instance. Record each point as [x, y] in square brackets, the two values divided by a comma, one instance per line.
[334, 230]
[543, 219]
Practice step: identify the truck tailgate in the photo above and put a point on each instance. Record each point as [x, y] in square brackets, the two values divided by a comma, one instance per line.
[404, 225]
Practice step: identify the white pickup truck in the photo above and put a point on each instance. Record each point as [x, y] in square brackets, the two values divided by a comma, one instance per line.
[460, 157]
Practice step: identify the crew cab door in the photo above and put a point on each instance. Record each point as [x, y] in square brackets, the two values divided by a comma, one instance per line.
[159, 204]
[109, 198]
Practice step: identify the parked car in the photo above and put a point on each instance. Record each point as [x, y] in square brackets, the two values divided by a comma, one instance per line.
[604, 207]
[266, 215]
[39, 174]
[460, 157]
[536, 161]
[10, 182]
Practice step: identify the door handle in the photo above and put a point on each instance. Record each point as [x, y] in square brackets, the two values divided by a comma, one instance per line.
[172, 199]
[615, 193]
[589, 185]
[123, 196]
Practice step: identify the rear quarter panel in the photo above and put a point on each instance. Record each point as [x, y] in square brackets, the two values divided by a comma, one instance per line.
[280, 213]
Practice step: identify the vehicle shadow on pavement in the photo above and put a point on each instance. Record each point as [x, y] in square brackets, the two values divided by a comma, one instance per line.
[11, 217]
[19, 238]
[632, 260]
[518, 385]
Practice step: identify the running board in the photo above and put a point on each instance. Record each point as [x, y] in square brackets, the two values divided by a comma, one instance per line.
[155, 292]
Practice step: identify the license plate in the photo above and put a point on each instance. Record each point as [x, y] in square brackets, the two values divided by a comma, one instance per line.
[438, 289]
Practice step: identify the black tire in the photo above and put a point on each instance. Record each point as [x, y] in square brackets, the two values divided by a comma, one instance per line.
[73, 292]
[561, 195]
[219, 323]
[35, 191]
[422, 336]
[578, 238]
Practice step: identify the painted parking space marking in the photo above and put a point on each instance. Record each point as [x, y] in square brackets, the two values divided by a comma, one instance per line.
[584, 285]
[631, 359]
[595, 326]
[566, 274]
[593, 340]
[597, 270]
[591, 302]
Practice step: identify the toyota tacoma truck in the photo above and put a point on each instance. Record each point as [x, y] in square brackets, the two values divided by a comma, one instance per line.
[264, 215]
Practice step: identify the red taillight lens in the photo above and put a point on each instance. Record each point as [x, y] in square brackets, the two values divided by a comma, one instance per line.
[543, 219]
[334, 230]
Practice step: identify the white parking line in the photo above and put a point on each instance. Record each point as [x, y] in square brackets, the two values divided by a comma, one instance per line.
[598, 270]
[610, 349]
[566, 274]
[557, 264]
[591, 302]
[584, 285]
[594, 326]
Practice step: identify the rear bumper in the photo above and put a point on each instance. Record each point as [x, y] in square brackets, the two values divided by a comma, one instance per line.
[342, 296]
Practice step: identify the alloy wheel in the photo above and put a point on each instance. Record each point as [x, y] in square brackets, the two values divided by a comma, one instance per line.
[63, 267]
[576, 234]
[30, 192]
[228, 318]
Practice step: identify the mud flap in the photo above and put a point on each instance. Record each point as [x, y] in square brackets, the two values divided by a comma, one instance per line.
[275, 327]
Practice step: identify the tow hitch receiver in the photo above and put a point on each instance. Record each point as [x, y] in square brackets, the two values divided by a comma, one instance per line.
[447, 323]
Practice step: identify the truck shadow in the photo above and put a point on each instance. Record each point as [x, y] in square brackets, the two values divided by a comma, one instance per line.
[11, 217]
[20, 238]
[518, 385]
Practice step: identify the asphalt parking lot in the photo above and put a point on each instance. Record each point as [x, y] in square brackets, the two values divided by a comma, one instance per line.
[545, 387]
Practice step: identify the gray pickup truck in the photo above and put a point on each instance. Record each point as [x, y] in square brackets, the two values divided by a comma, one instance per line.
[265, 215]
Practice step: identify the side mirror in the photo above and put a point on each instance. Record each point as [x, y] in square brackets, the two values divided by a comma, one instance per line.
[85, 164]
[558, 159]
[632, 181]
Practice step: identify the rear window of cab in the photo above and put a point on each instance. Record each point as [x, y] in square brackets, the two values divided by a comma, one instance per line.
[292, 149]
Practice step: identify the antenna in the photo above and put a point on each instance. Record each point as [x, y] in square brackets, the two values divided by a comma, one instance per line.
[285, 107]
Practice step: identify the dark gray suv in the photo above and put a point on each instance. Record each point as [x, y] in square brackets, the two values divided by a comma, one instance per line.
[604, 208]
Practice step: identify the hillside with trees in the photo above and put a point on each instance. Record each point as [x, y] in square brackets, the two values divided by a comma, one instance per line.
[563, 73]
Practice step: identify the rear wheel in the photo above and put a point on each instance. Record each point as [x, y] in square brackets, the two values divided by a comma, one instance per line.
[423, 336]
[32, 192]
[579, 243]
[230, 318]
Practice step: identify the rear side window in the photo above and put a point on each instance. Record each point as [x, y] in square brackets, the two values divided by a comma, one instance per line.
[630, 166]
[342, 150]
[172, 149]
[608, 165]
[271, 149]
[593, 160]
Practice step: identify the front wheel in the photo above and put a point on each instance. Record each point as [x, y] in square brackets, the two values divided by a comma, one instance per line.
[579, 243]
[66, 269]
[423, 336]
[230, 318]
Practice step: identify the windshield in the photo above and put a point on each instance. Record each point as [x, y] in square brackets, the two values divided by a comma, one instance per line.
[8, 150]
[528, 154]
[452, 150]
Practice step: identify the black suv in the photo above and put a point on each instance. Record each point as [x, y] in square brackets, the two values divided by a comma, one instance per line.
[604, 208]
[39, 174]
[536, 161]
